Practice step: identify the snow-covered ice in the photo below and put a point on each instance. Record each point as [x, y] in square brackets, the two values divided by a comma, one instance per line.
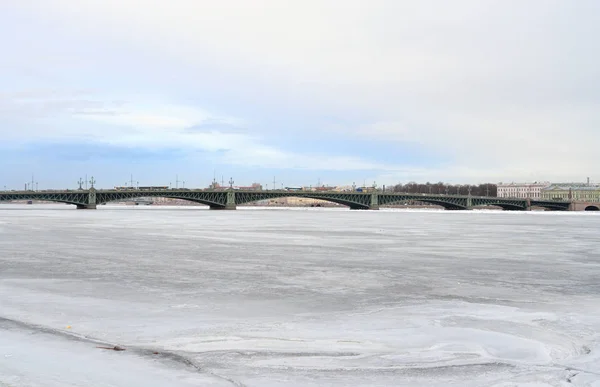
[298, 297]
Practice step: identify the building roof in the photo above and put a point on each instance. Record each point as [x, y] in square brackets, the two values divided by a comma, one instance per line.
[574, 187]
[535, 183]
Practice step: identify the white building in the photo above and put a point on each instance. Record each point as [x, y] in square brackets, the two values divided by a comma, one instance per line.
[522, 190]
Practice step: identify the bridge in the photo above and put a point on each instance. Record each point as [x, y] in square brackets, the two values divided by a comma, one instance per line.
[230, 199]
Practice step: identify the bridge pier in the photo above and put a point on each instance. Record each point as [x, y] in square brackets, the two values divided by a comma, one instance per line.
[374, 202]
[227, 207]
[469, 205]
[86, 206]
[230, 204]
[91, 201]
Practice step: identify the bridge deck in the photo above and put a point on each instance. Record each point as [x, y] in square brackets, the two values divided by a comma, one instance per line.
[229, 199]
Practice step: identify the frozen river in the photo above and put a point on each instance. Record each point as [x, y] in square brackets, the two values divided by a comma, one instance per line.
[283, 297]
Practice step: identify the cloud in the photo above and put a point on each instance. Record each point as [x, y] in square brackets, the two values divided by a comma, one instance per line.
[502, 89]
[163, 127]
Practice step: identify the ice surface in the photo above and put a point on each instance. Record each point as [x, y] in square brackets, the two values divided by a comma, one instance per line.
[298, 297]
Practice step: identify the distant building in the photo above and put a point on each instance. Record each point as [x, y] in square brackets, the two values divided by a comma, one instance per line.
[321, 188]
[218, 187]
[253, 187]
[522, 190]
[324, 188]
[579, 192]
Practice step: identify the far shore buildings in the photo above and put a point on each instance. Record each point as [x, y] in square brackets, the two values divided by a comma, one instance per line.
[551, 191]
[522, 190]
[572, 191]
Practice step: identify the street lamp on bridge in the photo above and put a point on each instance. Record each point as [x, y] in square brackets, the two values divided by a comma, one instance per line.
[231, 182]
[92, 182]
[80, 182]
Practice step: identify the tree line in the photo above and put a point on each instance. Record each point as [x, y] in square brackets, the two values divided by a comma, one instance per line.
[487, 189]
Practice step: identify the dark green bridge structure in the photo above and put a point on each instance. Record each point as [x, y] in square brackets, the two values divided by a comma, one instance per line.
[230, 199]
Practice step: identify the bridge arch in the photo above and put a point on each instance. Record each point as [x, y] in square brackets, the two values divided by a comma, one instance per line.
[213, 201]
[441, 203]
[203, 202]
[495, 207]
[75, 199]
[549, 207]
[592, 208]
[508, 207]
[344, 200]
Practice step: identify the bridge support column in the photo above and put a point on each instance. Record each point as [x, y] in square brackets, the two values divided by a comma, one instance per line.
[229, 204]
[86, 206]
[374, 202]
[91, 202]
[469, 203]
[528, 205]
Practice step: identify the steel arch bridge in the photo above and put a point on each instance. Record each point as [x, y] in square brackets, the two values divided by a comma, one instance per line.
[229, 199]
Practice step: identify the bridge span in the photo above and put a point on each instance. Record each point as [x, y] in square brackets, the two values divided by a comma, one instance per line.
[230, 199]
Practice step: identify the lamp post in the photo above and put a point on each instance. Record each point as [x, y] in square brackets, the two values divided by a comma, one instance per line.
[231, 183]
[92, 182]
[80, 182]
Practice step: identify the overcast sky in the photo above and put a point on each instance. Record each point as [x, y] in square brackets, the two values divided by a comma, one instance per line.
[342, 91]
